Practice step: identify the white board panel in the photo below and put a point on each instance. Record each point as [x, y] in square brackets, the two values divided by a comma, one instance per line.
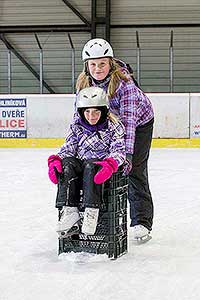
[49, 115]
[195, 115]
[171, 115]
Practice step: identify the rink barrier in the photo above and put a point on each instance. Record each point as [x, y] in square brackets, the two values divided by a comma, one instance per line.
[42, 121]
[57, 143]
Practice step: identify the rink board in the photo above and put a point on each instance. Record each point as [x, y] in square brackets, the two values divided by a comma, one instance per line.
[56, 143]
[41, 121]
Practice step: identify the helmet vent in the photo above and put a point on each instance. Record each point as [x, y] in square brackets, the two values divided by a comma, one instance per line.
[87, 53]
[92, 97]
[97, 48]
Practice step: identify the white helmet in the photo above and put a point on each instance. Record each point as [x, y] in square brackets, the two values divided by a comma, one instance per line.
[96, 48]
[92, 97]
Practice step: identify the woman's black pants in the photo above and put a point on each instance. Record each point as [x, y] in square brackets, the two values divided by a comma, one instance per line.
[139, 195]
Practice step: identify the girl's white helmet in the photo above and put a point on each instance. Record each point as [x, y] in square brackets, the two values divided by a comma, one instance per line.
[92, 97]
[96, 48]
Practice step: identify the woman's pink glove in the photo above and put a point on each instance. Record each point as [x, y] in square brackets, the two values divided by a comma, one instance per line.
[109, 166]
[54, 164]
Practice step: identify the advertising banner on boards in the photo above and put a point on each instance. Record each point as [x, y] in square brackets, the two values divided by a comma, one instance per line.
[13, 118]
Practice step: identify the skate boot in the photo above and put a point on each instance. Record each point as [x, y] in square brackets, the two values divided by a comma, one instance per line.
[90, 220]
[67, 225]
[141, 234]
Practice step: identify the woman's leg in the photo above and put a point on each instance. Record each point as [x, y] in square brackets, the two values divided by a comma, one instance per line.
[139, 195]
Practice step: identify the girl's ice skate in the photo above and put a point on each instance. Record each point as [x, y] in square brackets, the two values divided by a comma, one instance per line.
[90, 220]
[67, 233]
[68, 223]
[141, 234]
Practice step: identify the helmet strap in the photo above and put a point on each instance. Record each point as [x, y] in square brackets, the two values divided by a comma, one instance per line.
[86, 70]
[100, 81]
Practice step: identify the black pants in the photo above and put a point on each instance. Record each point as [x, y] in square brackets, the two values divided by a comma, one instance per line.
[139, 195]
[78, 175]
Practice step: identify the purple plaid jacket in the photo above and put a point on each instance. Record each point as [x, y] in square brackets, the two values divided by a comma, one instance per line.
[132, 106]
[85, 144]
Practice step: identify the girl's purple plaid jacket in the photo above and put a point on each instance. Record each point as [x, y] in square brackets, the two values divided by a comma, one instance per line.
[85, 144]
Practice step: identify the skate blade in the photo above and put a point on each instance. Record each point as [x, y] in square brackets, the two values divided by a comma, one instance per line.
[64, 234]
[143, 239]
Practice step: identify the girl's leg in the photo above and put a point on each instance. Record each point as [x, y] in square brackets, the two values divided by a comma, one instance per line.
[69, 183]
[92, 197]
[139, 195]
[92, 192]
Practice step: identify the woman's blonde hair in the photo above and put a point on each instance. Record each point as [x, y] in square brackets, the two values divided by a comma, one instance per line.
[116, 75]
[112, 117]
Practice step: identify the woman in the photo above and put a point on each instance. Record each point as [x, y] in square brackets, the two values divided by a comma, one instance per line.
[135, 110]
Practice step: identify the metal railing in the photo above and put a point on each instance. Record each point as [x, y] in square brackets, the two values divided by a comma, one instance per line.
[40, 76]
[72, 63]
[171, 60]
[138, 54]
[41, 63]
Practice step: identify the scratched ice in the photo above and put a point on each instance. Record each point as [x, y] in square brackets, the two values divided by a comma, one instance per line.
[166, 268]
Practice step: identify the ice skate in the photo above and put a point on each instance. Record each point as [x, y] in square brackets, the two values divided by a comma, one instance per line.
[68, 233]
[90, 220]
[68, 220]
[141, 234]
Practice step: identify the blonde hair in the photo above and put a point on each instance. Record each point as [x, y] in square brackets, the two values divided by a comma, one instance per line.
[116, 76]
[112, 117]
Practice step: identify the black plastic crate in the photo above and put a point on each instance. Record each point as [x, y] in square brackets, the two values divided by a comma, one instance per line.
[111, 233]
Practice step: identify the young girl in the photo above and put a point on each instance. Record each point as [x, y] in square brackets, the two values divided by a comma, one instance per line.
[134, 108]
[95, 139]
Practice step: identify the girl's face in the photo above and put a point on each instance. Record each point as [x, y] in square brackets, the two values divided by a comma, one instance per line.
[99, 67]
[92, 115]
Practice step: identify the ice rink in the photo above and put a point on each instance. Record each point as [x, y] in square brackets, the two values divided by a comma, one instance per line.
[166, 268]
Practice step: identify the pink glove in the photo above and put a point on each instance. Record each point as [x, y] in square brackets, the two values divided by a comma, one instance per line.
[54, 163]
[109, 166]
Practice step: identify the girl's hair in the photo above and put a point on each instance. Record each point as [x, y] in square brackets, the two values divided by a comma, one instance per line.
[116, 75]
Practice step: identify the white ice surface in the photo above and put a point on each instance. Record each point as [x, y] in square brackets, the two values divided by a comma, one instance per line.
[166, 268]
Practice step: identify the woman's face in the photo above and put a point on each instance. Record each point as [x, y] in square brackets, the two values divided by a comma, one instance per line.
[99, 67]
[92, 115]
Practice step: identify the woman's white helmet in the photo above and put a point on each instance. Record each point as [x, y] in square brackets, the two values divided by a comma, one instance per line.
[96, 48]
[92, 97]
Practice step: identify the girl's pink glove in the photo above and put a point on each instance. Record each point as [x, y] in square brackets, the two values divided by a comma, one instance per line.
[54, 164]
[109, 166]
